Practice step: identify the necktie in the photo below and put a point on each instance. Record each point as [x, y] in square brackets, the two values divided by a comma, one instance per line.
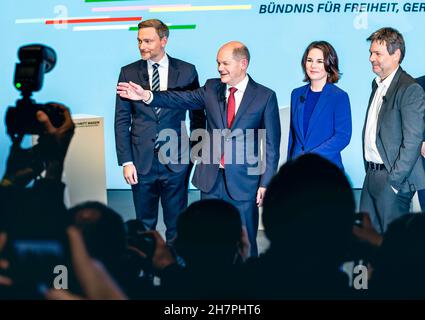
[231, 106]
[155, 83]
[156, 87]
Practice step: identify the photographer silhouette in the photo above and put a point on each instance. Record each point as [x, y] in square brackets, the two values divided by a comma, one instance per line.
[35, 236]
[34, 219]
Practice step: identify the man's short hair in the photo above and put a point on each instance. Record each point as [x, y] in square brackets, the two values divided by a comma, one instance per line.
[392, 38]
[160, 27]
[241, 52]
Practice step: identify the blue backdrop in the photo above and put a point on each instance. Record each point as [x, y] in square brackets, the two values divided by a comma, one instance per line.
[91, 51]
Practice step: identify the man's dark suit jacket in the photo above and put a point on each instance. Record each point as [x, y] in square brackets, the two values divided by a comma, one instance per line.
[421, 81]
[258, 110]
[136, 128]
[400, 132]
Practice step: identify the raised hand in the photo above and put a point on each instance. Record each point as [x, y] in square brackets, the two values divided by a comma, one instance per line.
[55, 141]
[132, 91]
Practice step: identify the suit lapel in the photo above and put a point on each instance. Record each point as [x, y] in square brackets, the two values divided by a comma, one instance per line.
[222, 105]
[173, 73]
[247, 98]
[299, 110]
[390, 92]
[143, 74]
[374, 88]
[318, 109]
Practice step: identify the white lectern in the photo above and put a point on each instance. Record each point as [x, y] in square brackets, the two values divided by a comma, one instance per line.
[84, 168]
[84, 171]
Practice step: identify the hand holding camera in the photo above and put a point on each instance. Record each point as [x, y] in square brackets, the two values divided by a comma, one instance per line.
[364, 231]
[23, 165]
[149, 245]
[54, 142]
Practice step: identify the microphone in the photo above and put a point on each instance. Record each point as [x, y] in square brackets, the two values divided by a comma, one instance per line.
[302, 99]
[222, 97]
[145, 82]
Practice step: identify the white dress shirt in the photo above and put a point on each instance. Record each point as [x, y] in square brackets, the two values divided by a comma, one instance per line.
[163, 72]
[241, 86]
[371, 151]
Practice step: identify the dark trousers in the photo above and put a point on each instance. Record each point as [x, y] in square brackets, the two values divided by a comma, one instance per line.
[421, 193]
[160, 183]
[247, 209]
[381, 202]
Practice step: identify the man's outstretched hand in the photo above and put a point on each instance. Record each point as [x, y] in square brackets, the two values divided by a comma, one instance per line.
[132, 91]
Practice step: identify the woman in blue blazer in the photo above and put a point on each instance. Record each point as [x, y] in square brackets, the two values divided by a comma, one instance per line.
[320, 111]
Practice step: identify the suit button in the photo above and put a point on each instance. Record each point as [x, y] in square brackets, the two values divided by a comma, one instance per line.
[153, 140]
[158, 121]
[302, 148]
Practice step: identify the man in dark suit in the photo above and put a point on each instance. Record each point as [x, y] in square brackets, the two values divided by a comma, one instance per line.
[421, 193]
[136, 130]
[392, 134]
[241, 116]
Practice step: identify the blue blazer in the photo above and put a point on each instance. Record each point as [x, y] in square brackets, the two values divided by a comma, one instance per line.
[329, 129]
[258, 110]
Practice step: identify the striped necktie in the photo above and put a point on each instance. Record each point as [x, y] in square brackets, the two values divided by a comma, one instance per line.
[156, 87]
[155, 83]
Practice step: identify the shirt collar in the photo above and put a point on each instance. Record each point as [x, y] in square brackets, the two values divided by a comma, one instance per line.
[387, 81]
[241, 86]
[162, 63]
